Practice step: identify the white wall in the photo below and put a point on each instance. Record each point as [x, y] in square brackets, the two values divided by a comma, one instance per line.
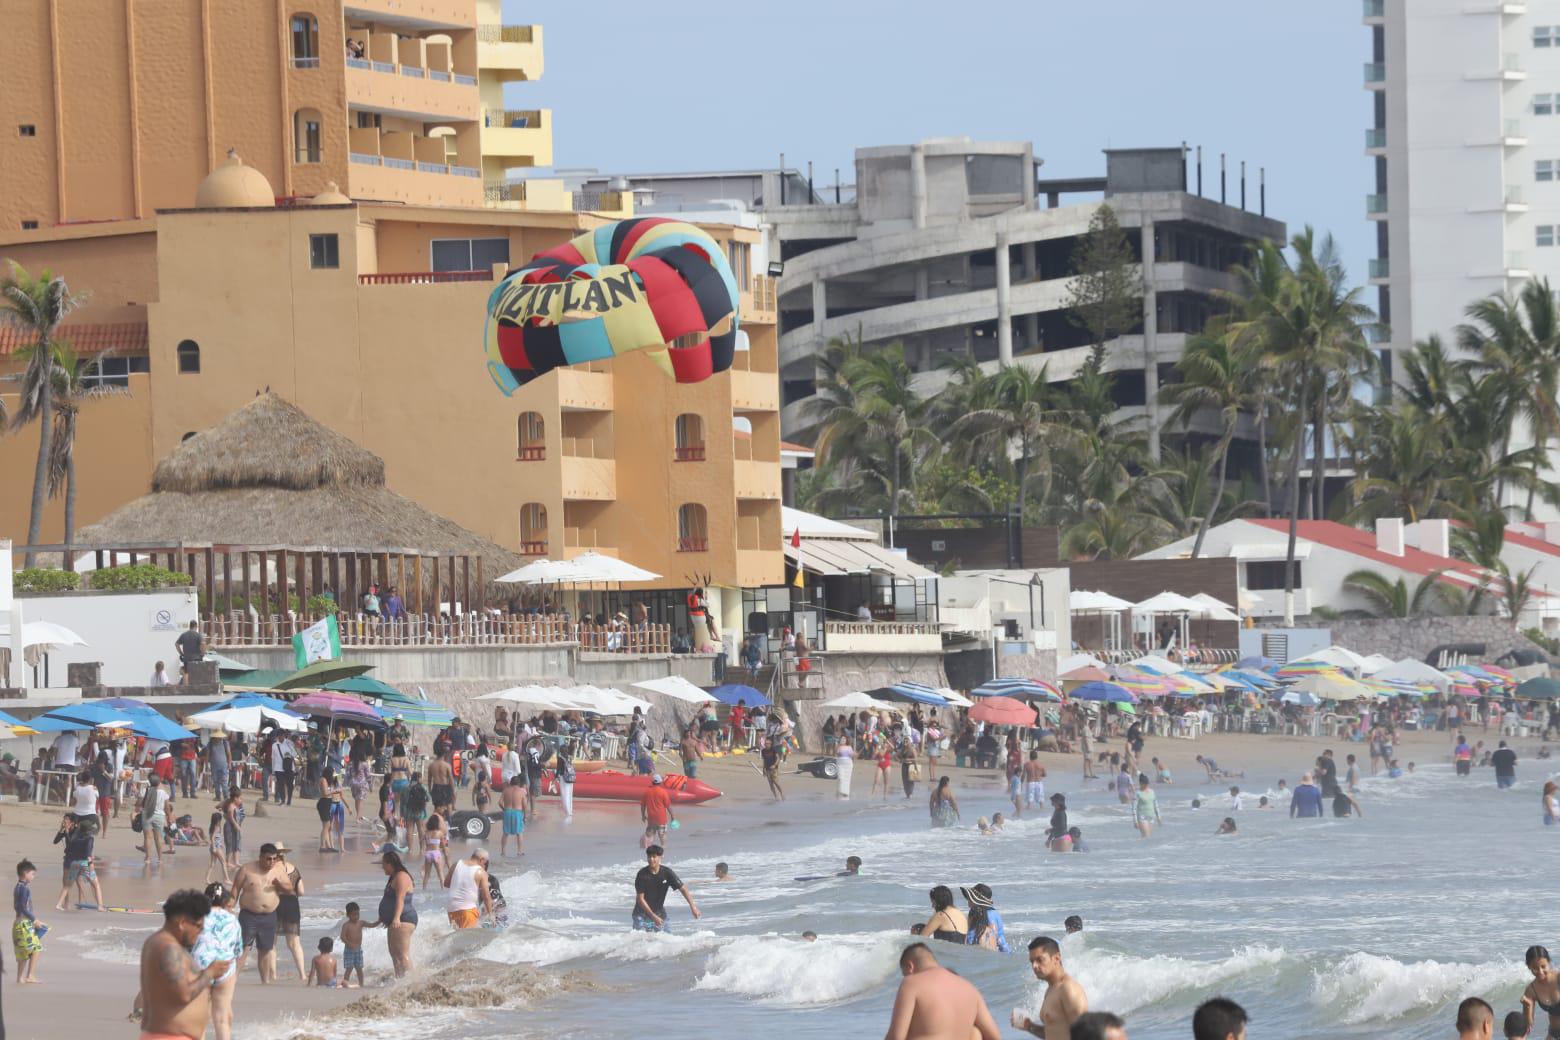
[128, 631]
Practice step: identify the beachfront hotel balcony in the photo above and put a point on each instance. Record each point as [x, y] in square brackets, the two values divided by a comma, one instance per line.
[583, 476]
[511, 53]
[538, 193]
[755, 480]
[391, 166]
[517, 137]
[754, 391]
[758, 299]
[410, 76]
[428, 14]
[587, 388]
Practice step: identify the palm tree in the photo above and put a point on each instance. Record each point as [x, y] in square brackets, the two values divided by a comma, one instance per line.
[1217, 373]
[1517, 341]
[1516, 592]
[1018, 419]
[72, 391]
[895, 415]
[1393, 599]
[1305, 325]
[39, 305]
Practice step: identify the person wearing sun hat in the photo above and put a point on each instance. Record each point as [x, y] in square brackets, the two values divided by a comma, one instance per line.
[985, 924]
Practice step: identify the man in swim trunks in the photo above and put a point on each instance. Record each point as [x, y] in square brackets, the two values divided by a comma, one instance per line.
[468, 886]
[1034, 781]
[512, 801]
[1064, 997]
[259, 886]
[441, 785]
[935, 1004]
[175, 997]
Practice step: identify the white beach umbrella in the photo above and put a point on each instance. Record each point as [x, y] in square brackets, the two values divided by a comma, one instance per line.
[1375, 663]
[1415, 671]
[248, 719]
[857, 701]
[1339, 656]
[676, 686]
[549, 698]
[47, 634]
[1216, 610]
[1073, 662]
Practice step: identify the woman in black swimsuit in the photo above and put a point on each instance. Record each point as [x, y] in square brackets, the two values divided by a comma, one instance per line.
[1543, 993]
[947, 922]
[396, 913]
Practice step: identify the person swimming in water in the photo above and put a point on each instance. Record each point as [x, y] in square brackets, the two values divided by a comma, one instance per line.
[947, 921]
[1057, 838]
[1227, 827]
[1543, 993]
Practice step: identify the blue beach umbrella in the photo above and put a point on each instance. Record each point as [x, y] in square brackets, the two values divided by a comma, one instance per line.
[1017, 688]
[1103, 691]
[731, 693]
[918, 693]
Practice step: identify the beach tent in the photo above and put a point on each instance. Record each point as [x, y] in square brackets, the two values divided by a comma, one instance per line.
[1415, 671]
[1375, 663]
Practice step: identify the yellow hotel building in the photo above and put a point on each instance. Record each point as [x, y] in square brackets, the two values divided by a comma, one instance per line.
[344, 261]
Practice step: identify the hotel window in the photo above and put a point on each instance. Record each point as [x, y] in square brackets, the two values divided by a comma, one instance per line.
[1544, 234]
[305, 42]
[114, 371]
[1546, 35]
[533, 529]
[27, 130]
[29, 225]
[532, 437]
[740, 255]
[692, 528]
[1265, 575]
[1543, 104]
[688, 438]
[1544, 170]
[367, 120]
[188, 353]
[468, 254]
[324, 251]
[306, 136]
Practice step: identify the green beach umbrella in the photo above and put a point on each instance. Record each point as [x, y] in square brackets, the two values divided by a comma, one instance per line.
[1541, 687]
[366, 685]
[316, 675]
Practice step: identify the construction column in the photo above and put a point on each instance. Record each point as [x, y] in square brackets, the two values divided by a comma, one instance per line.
[1004, 303]
[1150, 338]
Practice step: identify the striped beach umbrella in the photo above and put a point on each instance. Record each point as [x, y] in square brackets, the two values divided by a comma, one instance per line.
[1018, 689]
[1104, 691]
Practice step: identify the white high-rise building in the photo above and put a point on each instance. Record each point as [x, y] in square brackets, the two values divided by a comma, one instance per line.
[1466, 142]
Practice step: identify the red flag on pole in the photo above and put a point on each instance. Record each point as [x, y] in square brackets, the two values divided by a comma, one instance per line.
[796, 538]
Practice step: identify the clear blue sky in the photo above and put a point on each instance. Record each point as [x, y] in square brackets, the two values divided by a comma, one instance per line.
[699, 84]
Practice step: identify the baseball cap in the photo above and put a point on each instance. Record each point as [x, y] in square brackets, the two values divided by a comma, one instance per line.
[655, 778]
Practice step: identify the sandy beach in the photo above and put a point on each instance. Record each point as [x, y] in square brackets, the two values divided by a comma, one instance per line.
[95, 995]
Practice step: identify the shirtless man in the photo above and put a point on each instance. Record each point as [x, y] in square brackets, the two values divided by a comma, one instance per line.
[176, 998]
[259, 885]
[441, 785]
[935, 1004]
[1064, 997]
[1034, 781]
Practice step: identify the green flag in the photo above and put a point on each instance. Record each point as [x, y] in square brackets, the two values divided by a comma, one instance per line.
[321, 641]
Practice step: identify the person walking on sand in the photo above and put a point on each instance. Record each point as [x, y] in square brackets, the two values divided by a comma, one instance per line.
[883, 763]
[770, 756]
[512, 802]
[175, 995]
[1064, 999]
[78, 861]
[233, 827]
[289, 914]
[935, 1004]
[220, 939]
[397, 915]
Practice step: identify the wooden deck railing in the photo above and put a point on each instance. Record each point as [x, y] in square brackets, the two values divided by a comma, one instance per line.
[357, 630]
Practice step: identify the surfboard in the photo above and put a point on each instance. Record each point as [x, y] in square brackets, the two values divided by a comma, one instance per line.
[117, 909]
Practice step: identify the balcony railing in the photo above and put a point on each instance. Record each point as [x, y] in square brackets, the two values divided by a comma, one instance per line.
[414, 71]
[692, 453]
[691, 544]
[464, 80]
[532, 453]
[1375, 137]
[383, 66]
[1516, 261]
[424, 277]
[393, 163]
[1375, 72]
[306, 63]
[465, 171]
[512, 118]
[243, 629]
[1512, 128]
[364, 158]
[359, 63]
[511, 191]
[1515, 195]
[1380, 267]
[533, 548]
[489, 33]
[763, 293]
[397, 164]
[1376, 203]
[439, 75]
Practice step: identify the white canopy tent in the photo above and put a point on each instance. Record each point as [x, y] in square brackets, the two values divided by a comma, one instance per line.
[1376, 662]
[1172, 604]
[1216, 610]
[1103, 605]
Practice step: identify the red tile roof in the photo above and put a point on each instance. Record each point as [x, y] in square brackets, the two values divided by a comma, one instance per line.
[125, 337]
[1360, 543]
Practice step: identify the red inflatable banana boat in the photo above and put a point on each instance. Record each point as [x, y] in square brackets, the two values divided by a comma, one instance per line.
[625, 787]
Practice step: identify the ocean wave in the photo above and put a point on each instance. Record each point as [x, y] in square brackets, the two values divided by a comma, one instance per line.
[1125, 983]
[1364, 987]
[114, 945]
[793, 973]
[529, 944]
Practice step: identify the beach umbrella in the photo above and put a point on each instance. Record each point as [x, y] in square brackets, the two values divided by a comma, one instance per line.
[249, 700]
[1300, 697]
[1503, 674]
[1415, 671]
[677, 687]
[46, 634]
[1332, 686]
[858, 701]
[1295, 669]
[1144, 684]
[414, 711]
[150, 725]
[1257, 678]
[328, 704]
[1155, 664]
[1259, 663]
[364, 685]
[1542, 687]
[316, 675]
[1072, 662]
[605, 702]
[731, 693]
[1103, 691]
[226, 666]
[954, 697]
[917, 693]
[1018, 689]
[1215, 610]
[548, 698]
[250, 719]
[1086, 673]
[1003, 711]
[1337, 656]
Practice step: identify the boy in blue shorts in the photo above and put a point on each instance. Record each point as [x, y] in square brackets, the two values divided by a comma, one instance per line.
[513, 803]
[352, 946]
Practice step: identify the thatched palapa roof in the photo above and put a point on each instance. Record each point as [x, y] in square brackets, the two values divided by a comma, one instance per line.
[269, 475]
